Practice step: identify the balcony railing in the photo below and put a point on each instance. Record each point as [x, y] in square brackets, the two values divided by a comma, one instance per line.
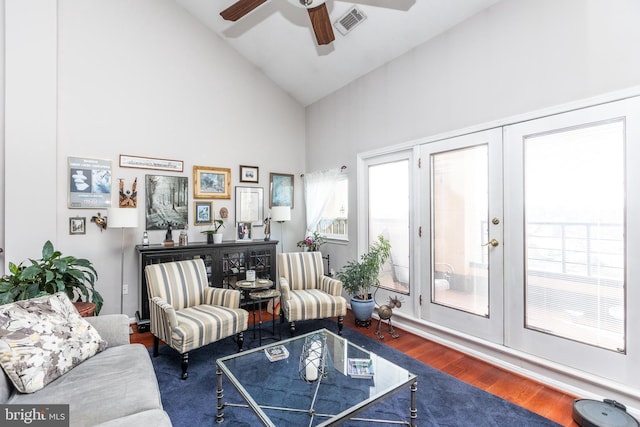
[584, 251]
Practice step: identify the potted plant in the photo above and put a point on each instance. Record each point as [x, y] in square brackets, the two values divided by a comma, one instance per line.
[52, 273]
[311, 243]
[359, 277]
[212, 234]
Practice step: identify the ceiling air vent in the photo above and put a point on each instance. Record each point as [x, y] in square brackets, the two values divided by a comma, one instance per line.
[349, 20]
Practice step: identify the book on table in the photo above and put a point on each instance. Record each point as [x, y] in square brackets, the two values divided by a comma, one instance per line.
[276, 352]
[360, 368]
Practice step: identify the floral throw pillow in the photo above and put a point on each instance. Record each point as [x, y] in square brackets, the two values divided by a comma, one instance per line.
[42, 338]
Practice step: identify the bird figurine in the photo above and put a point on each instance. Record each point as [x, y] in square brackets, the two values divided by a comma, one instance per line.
[101, 221]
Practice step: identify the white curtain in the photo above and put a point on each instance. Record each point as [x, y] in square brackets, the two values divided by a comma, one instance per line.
[318, 189]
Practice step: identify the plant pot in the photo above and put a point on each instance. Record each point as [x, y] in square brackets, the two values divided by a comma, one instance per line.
[362, 310]
[210, 239]
[217, 238]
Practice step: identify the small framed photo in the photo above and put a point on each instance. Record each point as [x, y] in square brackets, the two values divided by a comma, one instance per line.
[280, 190]
[202, 213]
[243, 231]
[249, 174]
[211, 183]
[77, 225]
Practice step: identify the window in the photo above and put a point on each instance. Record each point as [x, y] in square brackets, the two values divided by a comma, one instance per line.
[327, 203]
[388, 210]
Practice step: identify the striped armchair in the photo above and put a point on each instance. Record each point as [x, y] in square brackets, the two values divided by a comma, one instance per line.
[188, 314]
[306, 293]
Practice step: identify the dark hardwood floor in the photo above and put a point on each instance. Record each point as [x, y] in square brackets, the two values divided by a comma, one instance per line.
[536, 397]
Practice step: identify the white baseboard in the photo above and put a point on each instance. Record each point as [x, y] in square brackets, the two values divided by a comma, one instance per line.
[560, 377]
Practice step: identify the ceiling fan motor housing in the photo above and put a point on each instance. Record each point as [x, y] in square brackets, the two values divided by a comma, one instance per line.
[307, 4]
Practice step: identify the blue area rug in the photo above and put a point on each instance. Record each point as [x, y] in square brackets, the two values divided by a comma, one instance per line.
[442, 399]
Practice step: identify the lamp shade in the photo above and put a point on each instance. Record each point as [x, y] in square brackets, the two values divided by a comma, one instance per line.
[281, 213]
[122, 218]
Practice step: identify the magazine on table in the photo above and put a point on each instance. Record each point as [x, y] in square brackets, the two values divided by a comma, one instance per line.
[360, 368]
[277, 352]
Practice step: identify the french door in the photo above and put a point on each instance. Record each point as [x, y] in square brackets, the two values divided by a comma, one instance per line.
[462, 286]
[530, 236]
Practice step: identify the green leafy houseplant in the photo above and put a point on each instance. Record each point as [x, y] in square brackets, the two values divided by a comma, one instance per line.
[359, 277]
[53, 273]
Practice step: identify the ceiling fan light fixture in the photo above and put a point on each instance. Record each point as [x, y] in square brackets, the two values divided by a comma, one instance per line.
[307, 4]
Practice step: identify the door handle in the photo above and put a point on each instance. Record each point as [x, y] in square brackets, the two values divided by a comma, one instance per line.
[492, 242]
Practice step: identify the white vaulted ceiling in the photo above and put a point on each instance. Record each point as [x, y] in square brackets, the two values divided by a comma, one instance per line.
[277, 37]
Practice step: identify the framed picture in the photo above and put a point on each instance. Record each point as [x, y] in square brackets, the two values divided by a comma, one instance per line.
[249, 205]
[211, 183]
[280, 190]
[243, 231]
[166, 202]
[249, 174]
[151, 163]
[89, 183]
[77, 225]
[202, 213]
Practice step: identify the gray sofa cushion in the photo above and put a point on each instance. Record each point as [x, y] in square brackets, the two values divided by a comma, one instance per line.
[113, 328]
[118, 382]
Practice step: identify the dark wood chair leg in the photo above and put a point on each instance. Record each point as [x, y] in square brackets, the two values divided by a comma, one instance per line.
[185, 365]
[292, 328]
[340, 323]
[156, 343]
[240, 339]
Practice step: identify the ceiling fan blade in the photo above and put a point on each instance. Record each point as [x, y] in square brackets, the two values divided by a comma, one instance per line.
[321, 24]
[240, 9]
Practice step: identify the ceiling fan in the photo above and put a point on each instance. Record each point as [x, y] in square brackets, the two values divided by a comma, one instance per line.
[317, 10]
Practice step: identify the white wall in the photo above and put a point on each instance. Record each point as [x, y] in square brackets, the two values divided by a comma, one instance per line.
[129, 77]
[516, 57]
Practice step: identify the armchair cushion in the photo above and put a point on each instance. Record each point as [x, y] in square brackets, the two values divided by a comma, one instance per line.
[180, 284]
[313, 304]
[204, 324]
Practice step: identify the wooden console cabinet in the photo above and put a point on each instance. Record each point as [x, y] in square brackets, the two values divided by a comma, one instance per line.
[226, 262]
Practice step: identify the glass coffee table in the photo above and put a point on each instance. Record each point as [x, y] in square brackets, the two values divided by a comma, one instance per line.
[323, 380]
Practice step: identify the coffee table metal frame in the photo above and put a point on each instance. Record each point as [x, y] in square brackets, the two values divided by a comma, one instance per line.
[332, 419]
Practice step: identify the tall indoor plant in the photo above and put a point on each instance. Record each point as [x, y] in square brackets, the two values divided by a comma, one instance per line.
[359, 277]
[52, 273]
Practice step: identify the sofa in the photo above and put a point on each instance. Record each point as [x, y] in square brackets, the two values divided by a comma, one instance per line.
[115, 385]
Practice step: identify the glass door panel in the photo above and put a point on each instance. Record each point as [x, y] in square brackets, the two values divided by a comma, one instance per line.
[574, 234]
[389, 202]
[460, 189]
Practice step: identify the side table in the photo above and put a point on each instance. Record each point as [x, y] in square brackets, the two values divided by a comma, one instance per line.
[248, 286]
[260, 297]
[86, 309]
